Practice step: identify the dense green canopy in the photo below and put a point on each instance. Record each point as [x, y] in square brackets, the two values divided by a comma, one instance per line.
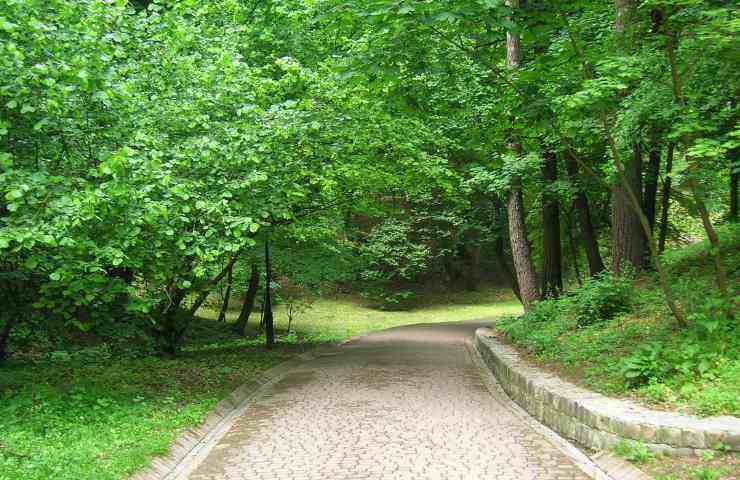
[146, 146]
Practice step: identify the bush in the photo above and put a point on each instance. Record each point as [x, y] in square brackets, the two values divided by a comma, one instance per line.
[602, 298]
[393, 263]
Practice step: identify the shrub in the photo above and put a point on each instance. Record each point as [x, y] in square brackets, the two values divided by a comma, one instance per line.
[602, 298]
[393, 262]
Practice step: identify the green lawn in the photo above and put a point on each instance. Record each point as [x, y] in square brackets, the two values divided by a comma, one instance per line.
[335, 319]
[86, 414]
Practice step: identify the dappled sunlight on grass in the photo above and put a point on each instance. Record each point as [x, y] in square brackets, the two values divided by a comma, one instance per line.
[343, 316]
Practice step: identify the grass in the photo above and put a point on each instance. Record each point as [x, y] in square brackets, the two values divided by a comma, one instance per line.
[94, 413]
[344, 316]
[621, 340]
[710, 465]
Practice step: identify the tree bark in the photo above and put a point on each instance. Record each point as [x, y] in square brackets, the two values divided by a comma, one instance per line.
[573, 250]
[267, 305]
[501, 257]
[227, 295]
[734, 176]
[520, 249]
[204, 294]
[499, 248]
[580, 205]
[665, 200]
[652, 174]
[249, 298]
[552, 274]
[5, 336]
[628, 240]
[622, 10]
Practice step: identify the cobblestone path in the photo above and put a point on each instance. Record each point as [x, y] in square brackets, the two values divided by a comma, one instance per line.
[405, 403]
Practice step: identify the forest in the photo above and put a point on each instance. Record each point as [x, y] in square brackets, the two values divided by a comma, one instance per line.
[170, 169]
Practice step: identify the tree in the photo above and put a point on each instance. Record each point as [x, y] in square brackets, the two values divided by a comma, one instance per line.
[552, 276]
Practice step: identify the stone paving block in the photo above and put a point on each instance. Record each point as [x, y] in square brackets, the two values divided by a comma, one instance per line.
[403, 404]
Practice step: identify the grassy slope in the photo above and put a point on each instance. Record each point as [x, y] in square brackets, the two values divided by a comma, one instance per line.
[90, 416]
[590, 355]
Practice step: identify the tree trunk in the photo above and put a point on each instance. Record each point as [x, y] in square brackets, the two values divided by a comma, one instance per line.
[227, 295]
[204, 294]
[734, 175]
[501, 257]
[573, 250]
[471, 256]
[5, 336]
[249, 298]
[580, 205]
[628, 240]
[552, 275]
[623, 10]
[652, 174]
[267, 305]
[665, 200]
[716, 250]
[499, 247]
[649, 198]
[520, 250]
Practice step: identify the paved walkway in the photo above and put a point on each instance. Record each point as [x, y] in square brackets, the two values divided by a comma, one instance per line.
[405, 403]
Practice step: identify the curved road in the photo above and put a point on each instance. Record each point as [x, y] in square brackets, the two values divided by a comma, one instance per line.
[405, 403]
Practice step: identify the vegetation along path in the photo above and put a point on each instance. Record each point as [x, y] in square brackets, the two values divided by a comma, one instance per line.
[404, 403]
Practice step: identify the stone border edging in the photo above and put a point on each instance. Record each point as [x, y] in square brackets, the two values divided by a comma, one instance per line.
[193, 444]
[587, 465]
[594, 420]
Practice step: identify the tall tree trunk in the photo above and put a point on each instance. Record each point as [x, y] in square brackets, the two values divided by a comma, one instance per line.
[552, 274]
[501, 222]
[471, 258]
[573, 249]
[520, 249]
[510, 277]
[249, 298]
[650, 196]
[580, 205]
[628, 239]
[227, 295]
[623, 11]
[267, 318]
[5, 336]
[734, 176]
[665, 199]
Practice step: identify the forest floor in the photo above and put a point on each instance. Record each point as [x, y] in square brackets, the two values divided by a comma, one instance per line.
[93, 412]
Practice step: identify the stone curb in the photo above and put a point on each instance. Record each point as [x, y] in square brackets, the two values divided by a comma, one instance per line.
[594, 420]
[194, 444]
[591, 468]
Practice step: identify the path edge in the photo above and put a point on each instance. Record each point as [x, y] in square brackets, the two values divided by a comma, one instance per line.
[192, 445]
[580, 459]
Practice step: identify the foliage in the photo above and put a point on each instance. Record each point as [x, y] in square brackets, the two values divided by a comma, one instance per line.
[633, 451]
[393, 261]
[602, 297]
[633, 352]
